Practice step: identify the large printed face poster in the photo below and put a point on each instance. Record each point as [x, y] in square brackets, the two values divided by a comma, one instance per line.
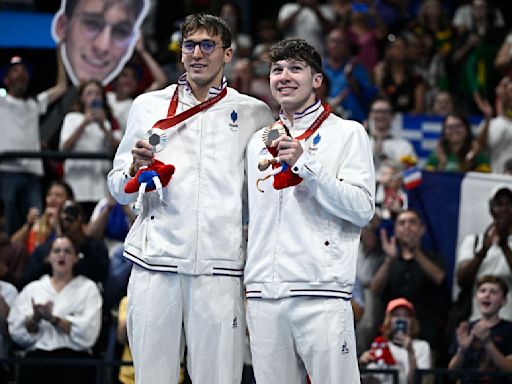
[97, 37]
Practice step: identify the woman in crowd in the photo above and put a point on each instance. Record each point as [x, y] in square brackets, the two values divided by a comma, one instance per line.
[90, 127]
[367, 32]
[397, 78]
[451, 153]
[39, 228]
[398, 347]
[57, 316]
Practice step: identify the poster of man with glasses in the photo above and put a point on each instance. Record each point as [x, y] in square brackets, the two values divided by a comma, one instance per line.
[97, 37]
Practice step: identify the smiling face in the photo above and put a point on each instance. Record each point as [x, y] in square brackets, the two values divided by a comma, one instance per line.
[63, 257]
[293, 84]
[205, 70]
[454, 131]
[97, 38]
[381, 116]
[408, 228]
[490, 299]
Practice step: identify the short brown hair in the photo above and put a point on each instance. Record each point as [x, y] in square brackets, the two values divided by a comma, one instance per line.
[493, 279]
[214, 25]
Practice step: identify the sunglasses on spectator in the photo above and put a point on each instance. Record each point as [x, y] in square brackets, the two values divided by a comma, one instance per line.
[206, 46]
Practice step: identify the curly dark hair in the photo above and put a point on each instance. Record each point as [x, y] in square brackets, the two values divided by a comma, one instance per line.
[296, 49]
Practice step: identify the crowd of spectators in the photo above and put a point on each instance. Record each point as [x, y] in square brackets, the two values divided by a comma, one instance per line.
[452, 60]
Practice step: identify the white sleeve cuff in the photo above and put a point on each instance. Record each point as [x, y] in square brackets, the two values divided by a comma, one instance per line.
[301, 167]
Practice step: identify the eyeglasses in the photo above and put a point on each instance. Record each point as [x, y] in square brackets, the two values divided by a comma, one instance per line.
[92, 25]
[206, 46]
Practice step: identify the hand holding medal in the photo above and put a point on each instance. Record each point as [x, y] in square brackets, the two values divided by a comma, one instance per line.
[285, 151]
[269, 135]
[148, 173]
[151, 174]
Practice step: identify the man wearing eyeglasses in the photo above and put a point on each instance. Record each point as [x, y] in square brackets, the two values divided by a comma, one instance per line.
[98, 36]
[187, 244]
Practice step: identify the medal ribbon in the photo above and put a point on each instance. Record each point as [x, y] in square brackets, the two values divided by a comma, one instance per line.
[290, 179]
[172, 119]
[316, 124]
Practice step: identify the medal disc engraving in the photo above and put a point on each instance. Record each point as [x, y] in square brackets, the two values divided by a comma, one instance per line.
[272, 133]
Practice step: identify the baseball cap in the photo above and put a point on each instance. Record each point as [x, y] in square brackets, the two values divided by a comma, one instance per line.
[15, 60]
[400, 302]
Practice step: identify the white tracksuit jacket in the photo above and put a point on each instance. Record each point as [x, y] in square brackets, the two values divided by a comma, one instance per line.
[303, 240]
[200, 230]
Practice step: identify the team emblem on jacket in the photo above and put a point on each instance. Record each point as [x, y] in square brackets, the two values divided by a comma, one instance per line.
[233, 125]
[314, 144]
[264, 151]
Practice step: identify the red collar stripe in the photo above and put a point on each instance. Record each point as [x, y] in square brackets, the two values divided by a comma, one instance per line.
[172, 119]
[317, 123]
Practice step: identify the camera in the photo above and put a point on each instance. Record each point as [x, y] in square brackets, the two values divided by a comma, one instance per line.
[400, 325]
[96, 104]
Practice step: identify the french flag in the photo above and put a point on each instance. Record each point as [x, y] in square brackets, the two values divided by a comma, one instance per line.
[453, 205]
[412, 178]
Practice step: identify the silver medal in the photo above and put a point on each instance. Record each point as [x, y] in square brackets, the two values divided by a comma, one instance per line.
[157, 138]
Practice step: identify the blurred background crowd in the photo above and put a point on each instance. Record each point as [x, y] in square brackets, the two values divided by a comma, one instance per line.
[430, 80]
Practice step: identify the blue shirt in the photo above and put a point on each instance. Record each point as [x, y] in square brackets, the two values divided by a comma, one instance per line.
[355, 104]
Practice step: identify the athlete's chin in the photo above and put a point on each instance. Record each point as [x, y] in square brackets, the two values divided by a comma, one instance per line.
[199, 79]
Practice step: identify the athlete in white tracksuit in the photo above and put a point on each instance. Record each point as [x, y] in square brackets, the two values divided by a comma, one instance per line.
[188, 253]
[303, 240]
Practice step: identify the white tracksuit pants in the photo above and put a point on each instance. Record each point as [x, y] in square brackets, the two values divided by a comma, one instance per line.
[210, 311]
[295, 335]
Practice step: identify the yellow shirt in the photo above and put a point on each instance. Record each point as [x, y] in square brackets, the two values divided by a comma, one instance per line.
[126, 372]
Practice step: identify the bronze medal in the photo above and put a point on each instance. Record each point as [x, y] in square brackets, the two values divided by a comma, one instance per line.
[272, 132]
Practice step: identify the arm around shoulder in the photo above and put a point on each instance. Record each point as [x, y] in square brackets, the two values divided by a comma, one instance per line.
[262, 114]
